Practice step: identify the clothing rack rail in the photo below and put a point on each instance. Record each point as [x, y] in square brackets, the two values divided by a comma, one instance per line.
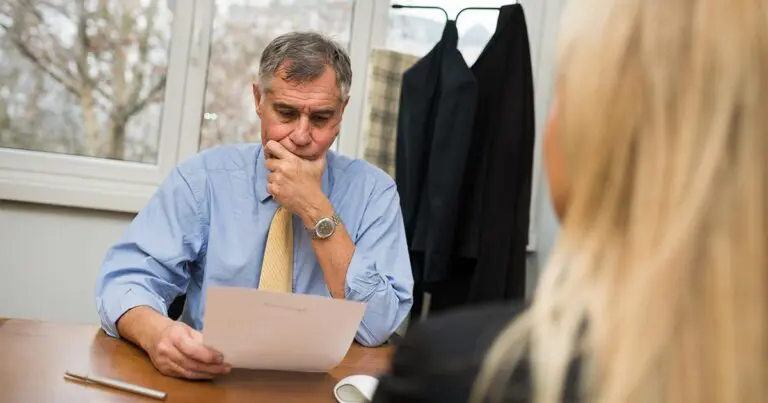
[400, 6]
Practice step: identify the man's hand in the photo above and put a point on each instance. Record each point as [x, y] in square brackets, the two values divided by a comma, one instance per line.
[295, 183]
[175, 349]
[179, 352]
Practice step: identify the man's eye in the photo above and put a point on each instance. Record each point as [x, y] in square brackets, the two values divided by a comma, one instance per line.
[320, 119]
[287, 114]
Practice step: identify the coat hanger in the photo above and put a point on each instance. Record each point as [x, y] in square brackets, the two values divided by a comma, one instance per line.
[399, 6]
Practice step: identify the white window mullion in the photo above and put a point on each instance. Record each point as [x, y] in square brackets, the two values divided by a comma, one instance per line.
[196, 77]
[184, 37]
[350, 141]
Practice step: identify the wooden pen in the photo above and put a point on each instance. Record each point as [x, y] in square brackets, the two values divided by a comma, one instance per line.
[113, 383]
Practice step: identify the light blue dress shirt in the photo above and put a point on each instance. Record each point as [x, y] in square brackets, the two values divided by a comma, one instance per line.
[207, 225]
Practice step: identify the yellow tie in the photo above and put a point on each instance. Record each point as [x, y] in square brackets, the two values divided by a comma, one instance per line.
[277, 267]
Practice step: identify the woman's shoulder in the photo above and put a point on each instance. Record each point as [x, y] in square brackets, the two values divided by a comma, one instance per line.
[439, 358]
[466, 330]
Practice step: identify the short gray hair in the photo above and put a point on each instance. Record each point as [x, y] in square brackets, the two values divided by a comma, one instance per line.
[307, 54]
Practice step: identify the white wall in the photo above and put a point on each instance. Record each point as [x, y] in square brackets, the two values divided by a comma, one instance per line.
[49, 259]
[546, 226]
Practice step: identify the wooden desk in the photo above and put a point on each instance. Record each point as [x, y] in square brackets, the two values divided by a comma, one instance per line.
[34, 356]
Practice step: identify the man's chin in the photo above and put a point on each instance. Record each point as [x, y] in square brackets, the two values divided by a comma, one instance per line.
[306, 156]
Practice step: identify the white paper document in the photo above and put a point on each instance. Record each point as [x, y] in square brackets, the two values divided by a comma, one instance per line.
[279, 331]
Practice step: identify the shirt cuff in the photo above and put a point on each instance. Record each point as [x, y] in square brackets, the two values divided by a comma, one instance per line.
[362, 278]
[110, 311]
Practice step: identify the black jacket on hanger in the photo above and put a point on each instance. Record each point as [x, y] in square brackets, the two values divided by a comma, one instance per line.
[463, 166]
[435, 121]
[497, 182]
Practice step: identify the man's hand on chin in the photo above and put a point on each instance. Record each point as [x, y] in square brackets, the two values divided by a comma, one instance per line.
[295, 183]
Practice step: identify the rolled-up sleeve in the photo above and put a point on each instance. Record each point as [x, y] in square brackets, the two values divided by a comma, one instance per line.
[380, 271]
[148, 265]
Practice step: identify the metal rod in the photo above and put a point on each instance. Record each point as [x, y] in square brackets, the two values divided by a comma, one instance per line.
[424, 8]
[475, 8]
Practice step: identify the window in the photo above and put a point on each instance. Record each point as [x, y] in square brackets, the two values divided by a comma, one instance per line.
[91, 96]
[241, 30]
[84, 78]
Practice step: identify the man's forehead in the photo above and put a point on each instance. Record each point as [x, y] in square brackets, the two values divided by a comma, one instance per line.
[302, 103]
[325, 81]
[303, 96]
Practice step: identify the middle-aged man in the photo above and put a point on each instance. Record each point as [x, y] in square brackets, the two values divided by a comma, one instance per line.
[285, 215]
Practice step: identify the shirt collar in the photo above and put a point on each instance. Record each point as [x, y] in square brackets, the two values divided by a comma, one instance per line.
[261, 176]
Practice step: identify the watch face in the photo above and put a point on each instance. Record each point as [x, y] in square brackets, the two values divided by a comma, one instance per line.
[325, 228]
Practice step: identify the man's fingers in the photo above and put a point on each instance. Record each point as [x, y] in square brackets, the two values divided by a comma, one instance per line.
[179, 371]
[196, 367]
[277, 150]
[272, 189]
[198, 338]
[193, 356]
[181, 353]
[272, 164]
[195, 350]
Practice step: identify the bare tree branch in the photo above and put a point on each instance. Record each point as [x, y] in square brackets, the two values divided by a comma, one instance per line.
[28, 5]
[55, 7]
[56, 65]
[138, 68]
[155, 94]
[85, 49]
[81, 58]
[63, 79]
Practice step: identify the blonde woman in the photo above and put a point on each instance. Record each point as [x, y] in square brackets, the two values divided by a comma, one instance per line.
[657, 156]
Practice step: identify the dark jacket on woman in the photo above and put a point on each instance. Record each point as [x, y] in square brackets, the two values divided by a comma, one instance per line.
[440, 358]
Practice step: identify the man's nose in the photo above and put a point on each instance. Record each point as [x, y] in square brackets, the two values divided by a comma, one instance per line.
[302, 135]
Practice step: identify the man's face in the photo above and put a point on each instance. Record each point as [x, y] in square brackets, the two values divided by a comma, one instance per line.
[303, 117]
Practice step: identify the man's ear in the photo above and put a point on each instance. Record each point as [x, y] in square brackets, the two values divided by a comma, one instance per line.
[257, 98]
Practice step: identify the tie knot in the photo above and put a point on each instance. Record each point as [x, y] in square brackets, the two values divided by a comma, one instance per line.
[281, 214]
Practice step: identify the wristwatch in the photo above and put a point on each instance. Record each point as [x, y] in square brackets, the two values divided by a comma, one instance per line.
[325, 227]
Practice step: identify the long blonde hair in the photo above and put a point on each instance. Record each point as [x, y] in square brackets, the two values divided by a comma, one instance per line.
[663, 253]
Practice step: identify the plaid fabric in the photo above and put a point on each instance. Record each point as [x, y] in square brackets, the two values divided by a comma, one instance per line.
[380, 125]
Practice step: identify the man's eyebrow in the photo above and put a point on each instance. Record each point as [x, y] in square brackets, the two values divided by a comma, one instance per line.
[281, 105]
[322, 111]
